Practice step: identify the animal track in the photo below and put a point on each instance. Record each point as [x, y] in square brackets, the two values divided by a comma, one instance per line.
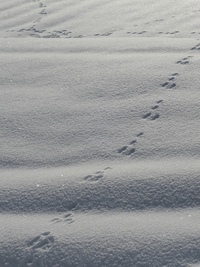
[159, 101]
[151, 115]
[139, 134]
[147, 115]
[195, 33]
[158, 20]
[41, 242]
[34, 32]
[172, 32]
[170, 83]
[196, 47]
[43, 12]
[68, 218]
[94, 177]
[155, 107]
[97, 176]
[105, 34]
[133, 142]
[175, 32]
[184, 61]
[129, 149]
[32, 29]
[142, 32]
[154, 116]
[42, 6]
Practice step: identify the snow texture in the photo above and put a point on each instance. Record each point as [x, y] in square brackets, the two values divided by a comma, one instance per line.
[99, 133]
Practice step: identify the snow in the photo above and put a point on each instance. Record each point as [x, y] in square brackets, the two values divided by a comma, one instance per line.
[99, 119]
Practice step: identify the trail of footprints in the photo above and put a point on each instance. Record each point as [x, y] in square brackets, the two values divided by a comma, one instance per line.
[33, 29]
[152, 114]
[196, 47]
[45, 241]
[69, 216]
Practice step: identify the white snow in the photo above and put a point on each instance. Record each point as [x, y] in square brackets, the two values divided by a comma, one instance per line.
[99, 143]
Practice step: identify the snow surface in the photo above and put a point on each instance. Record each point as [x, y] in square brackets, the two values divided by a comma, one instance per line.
[99, 123]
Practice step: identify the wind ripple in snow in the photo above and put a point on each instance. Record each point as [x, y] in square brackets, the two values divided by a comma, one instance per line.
[166, 184]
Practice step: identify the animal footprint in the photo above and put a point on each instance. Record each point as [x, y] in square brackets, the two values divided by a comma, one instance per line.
[158, 20]
[168, 85]
[139, 134]
[196, 47]
[184, 61]
[106, 34]
[154, 116]
[155, 107]
[43, 12]
[41, 242]
[94, 177]
[68, 217]
[142, 32]
[127, 150]
[159, 101]
[171, 81]
[172, 32]
[130, 148]
[151, 115]
[146, 115]
[175, 32]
